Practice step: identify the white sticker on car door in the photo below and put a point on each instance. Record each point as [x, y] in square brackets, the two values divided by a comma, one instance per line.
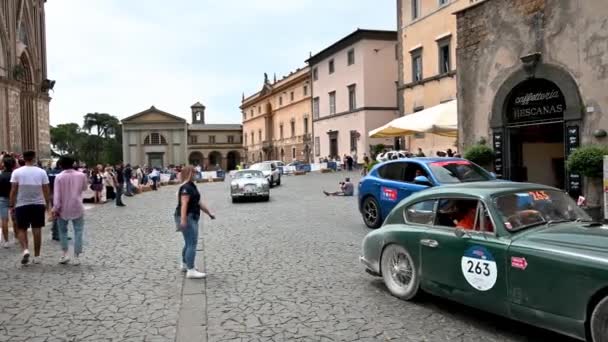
[479, 268]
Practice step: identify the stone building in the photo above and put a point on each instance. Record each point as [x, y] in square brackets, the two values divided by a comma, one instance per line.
[156, 138]
[210, 145]
[24, 87]
[532, 79]
[427, 63]
[277, 122]
[354, 91]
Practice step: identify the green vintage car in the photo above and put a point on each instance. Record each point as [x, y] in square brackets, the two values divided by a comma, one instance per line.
[520, 250]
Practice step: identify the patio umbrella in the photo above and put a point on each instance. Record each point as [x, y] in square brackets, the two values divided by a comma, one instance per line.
[441, 120]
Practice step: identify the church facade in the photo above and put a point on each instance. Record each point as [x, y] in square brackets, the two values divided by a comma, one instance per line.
[159, 139]
[24, 86]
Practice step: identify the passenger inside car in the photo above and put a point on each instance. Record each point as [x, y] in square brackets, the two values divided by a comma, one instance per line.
[465, 216]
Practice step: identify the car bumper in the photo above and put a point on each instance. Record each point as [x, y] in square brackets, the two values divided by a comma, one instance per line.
[370, 267]
[251, 194]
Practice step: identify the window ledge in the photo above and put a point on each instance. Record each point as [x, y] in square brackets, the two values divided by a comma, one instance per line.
[428, 79]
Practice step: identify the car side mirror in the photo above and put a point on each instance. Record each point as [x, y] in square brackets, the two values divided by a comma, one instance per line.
[422, 180]
[493, 175]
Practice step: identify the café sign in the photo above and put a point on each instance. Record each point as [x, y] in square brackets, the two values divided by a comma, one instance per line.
[535, 100]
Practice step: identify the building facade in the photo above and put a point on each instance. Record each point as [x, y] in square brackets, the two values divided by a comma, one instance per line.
[353, 92]
[24, 87]
[427, 62]
[277, 121]
[213, 145]
[159, 139]
[532, 78]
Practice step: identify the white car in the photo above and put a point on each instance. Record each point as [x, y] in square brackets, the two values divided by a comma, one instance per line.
[270, 171]
[391, 155]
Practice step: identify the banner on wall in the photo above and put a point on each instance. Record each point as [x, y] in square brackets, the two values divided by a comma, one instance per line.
[606, 187]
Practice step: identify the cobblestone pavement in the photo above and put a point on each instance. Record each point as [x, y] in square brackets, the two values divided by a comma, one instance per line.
[285, 270]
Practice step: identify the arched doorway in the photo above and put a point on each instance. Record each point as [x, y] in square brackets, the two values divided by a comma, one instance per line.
[215, 159]
[196, 158]
[234, 159]
[536, 120]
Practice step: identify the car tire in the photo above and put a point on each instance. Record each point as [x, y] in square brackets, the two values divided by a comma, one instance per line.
[399, 272]
[234, 200]
[371, 213]
[266, 198]
[271, 182]
[598, 325]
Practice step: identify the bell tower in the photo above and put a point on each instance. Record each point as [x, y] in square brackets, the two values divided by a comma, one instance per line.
[198, 114]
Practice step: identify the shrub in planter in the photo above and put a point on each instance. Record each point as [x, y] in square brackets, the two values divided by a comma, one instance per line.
[588, 161]
[480, 154]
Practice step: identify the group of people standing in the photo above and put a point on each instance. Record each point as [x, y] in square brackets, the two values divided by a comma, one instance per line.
[26, 199]
[29, 197]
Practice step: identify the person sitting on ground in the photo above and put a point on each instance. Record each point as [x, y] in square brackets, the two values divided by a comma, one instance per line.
[346, 189]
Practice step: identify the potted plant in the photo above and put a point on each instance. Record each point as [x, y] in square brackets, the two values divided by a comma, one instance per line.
[588, 161]
[481, 155]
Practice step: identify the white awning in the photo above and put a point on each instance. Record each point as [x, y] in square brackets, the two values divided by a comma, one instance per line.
[441, 120]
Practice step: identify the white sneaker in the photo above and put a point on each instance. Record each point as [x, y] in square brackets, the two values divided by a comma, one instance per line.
[36, 260]
[25, 258]
[183, 267]
[6, 244]
[64, 259]
[76, 261]
[194, 274]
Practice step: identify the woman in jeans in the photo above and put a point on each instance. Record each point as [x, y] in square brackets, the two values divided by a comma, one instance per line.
[8, 164]
[187, 215]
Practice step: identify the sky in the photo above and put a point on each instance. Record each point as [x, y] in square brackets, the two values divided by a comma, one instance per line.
[123, 56]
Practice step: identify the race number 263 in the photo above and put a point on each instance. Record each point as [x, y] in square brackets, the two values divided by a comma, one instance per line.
[478, 267]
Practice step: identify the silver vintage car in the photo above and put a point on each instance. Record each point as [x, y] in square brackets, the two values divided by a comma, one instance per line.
[249, 184]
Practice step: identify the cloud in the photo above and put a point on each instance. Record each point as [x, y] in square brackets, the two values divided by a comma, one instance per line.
[121, 57]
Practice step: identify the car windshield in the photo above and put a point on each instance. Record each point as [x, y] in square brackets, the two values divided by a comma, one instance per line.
[249, 174]
[525, 209]
[458, 171]
[261, 167]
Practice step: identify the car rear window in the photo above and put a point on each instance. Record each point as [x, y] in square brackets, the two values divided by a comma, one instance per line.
[458, 171]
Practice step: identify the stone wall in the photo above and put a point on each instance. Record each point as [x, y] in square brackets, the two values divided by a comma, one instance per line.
[492, 36]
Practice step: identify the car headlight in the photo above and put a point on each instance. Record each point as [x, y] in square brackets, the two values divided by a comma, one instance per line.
[234, 186]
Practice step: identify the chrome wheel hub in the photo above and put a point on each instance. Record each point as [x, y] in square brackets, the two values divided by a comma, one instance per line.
[401, 269]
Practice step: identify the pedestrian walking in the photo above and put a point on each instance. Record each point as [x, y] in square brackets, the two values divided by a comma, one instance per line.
[67, 206]
[128, 175]
[119, 182]
[155, 177]
[187, 215]
[29, 200]
[108, 182]
[8, 165]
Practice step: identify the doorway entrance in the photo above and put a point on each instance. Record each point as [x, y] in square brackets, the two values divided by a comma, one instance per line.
[155, 160]
[537, 154]
[333, 144]
[234, 159]
[535, 127]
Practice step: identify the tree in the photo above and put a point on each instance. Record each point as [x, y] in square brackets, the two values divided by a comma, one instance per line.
[65, 138]
[105, 147]
[106, 125]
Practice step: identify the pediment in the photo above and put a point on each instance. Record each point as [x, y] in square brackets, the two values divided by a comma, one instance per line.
[153, 115]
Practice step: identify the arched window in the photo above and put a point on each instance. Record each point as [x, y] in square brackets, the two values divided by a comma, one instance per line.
[155, 139]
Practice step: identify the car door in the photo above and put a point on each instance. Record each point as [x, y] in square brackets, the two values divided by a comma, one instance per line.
[389, 188]
[465, 265]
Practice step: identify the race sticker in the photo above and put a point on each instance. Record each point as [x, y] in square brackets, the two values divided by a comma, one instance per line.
[388, 194]
[519, 262]
[479, 268]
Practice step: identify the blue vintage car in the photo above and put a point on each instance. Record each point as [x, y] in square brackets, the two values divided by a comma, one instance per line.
[390, 182]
